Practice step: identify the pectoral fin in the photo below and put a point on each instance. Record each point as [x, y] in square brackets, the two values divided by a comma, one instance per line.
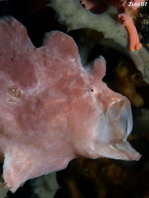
[122, 150]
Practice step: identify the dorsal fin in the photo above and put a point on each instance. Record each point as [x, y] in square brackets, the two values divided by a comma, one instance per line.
[13, 35]
[61, 44]
[98, 68]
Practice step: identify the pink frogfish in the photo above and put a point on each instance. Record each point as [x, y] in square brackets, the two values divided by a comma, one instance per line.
[52, 110]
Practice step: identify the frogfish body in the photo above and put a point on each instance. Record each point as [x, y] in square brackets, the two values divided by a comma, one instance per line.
[52, 110]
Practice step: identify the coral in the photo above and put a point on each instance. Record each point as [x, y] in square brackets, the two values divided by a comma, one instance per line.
[53, 110]
[103, 178]
[127, 80]
[3, 190]
[125, 19]
[141, 122]
[74, 16]
[45, 186]
[144, 30]
[134, 43]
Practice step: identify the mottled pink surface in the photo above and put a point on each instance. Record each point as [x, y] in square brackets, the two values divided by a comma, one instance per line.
[52, 110]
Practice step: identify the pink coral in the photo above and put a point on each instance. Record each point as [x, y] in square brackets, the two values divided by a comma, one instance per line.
[126, 20]
[52, 110]
[134, 43]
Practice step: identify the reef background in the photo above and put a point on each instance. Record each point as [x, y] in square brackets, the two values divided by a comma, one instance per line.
[102, 178]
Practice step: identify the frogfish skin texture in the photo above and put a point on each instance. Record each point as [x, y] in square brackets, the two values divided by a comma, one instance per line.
[52, 110]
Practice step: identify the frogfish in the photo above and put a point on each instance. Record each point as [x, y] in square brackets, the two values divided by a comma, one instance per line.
[52, 109]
